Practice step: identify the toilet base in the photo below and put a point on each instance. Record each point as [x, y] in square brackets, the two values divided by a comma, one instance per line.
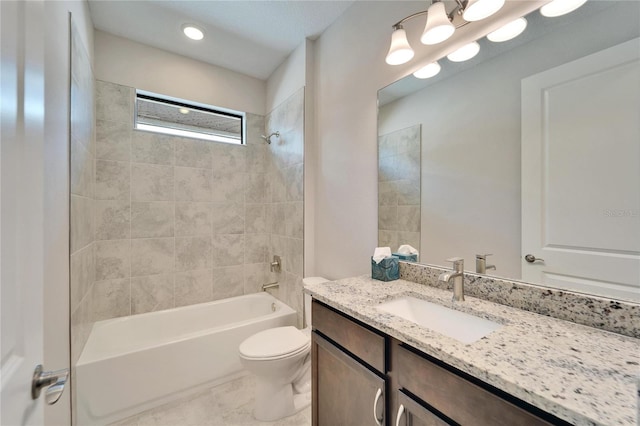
[275, 402]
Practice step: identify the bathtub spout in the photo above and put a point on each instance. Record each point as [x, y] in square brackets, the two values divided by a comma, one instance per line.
[265, 287]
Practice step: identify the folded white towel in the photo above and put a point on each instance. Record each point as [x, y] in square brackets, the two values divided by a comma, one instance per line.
[407, 249]
[380, 253]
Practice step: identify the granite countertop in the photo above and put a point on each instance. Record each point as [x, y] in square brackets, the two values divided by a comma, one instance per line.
[583, 375]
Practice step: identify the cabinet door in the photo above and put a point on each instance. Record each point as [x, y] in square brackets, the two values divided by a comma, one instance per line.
[345, 392]
[411, 413]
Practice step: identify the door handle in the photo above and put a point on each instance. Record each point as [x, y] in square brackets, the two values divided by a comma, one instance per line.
[375, 408]
[531, 258]
[400, 413]
[54, 381]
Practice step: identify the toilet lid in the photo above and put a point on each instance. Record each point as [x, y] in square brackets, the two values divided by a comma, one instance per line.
[274, 343]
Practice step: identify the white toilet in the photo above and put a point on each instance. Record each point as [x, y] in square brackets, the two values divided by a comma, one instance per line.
[281, 360]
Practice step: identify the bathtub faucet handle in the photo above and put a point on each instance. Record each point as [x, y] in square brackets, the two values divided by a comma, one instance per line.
[276, 265]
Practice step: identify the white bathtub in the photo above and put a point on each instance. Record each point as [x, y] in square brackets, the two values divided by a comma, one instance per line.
[135, 363]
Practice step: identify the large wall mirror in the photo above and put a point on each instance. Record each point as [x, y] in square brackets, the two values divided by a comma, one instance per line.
[532, 147]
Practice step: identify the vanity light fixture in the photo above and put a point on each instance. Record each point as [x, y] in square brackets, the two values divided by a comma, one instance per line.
[477, 10]
[440, 25]
[193, 32]
[465, 53]
[400, 51]
[438, 28]
[511, 30]
[560, 7]
[428, 71]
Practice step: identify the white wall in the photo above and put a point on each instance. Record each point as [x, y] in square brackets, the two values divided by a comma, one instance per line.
[287, 78]
[56, 203]
[132, 64]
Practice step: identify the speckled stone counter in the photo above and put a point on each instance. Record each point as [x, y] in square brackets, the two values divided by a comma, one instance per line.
[583, 375]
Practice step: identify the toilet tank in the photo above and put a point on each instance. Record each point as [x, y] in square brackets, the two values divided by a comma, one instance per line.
[307, 298]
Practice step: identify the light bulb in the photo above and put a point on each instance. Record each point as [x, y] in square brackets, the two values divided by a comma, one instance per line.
[193, 32]
[477, 10]
[427, 71]
[560, 7]
[508, 31]
[438, 27]
[400, 51]
[465, 53]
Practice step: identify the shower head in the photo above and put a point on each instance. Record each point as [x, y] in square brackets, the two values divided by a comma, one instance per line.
[268, 138]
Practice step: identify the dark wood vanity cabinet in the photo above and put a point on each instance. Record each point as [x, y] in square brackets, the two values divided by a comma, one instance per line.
[362, 377]
[348, 366]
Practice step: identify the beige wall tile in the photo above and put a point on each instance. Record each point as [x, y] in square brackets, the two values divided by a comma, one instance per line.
[81, 222]
[82, 170]
[112, 259]
[255, 127]
[256, 188]
[193, 153]
[228, 188]
[193, 253]
[193, 184]
[151, 293]
[112, 180]
[277, 219]
[389, 239]
[257, 157]
[151, 183]
[255, 275]
[193, 287]
[81, 274]
[255, 219]
[228, 282]
[111, 299]
[294, 263]
[152, 219]
[408, 192]
[228, 159]
[152, 256]
[113, 140]
[228, 250]
[114, 102]
[193, 219]
[255, 248]
[112, 219]
[294, 181]
[294, 219]
[387, 217]
[387, 193]
[228, 218]
[152, 148]
[408, 218]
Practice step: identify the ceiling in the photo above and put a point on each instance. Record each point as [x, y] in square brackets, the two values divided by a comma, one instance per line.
[249, 37]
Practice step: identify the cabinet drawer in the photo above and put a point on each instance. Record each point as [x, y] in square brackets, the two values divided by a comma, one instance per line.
[462, 401]
[360, 341]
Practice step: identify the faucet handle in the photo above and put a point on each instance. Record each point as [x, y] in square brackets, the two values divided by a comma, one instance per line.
[458, 263]
[483, 256]
[454, 259]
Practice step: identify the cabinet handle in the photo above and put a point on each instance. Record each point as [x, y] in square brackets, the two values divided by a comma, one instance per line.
[400, 413]
[375, 408]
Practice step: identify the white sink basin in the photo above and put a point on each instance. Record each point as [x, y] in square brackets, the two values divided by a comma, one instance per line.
[458, 325]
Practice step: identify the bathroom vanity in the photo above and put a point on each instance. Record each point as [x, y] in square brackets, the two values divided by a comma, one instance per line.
[373, 367]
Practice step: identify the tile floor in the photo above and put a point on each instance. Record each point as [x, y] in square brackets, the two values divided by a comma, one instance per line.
[230, 404]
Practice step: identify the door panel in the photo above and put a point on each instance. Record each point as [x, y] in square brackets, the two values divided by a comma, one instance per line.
[580, 174]
[21, 208]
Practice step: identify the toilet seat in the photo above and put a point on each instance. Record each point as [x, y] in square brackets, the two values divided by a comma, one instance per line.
[275, 343]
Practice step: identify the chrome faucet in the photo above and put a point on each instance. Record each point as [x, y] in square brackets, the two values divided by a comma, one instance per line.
[457, 275]
[481, 263]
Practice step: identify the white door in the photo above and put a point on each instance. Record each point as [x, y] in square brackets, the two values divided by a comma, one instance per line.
[22, 218]
[581, 174]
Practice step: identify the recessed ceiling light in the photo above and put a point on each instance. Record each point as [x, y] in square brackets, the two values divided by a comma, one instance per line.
[560, 7]
[193, 32]
[184, 110]
[428, 70]
[465, 53]
[509, 31]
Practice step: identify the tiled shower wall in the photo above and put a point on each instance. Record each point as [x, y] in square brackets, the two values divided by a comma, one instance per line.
[179, 221]
[399, 188]
[82, 269]
[285, 175]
